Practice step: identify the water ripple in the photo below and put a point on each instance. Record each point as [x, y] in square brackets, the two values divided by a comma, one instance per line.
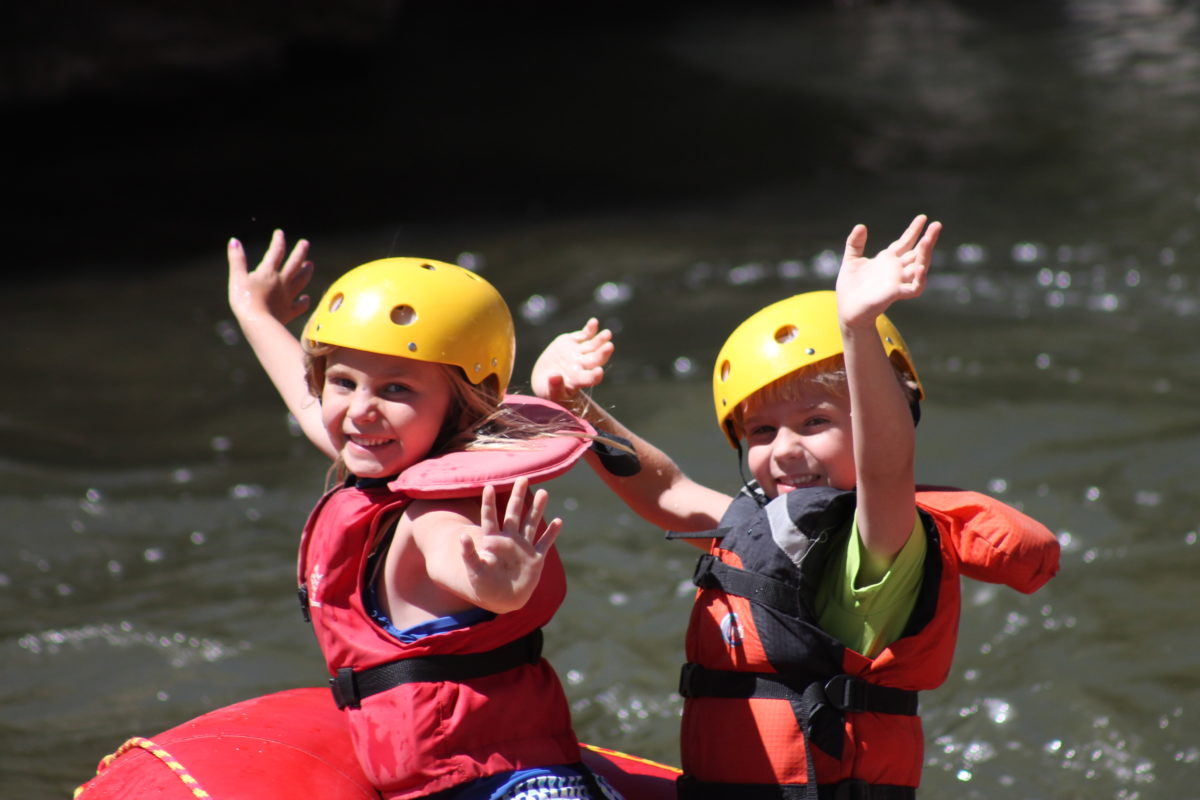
[178, 649]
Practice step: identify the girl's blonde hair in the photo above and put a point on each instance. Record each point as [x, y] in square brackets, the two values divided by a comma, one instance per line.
[475, 420]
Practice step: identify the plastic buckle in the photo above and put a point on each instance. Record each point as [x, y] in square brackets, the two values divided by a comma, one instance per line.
[532, 646]
[302, 592]
[703, 577]
[345, 690]
[685, 678]
[846, 693]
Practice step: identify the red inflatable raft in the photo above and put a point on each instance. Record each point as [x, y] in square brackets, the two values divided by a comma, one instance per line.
[288, 745]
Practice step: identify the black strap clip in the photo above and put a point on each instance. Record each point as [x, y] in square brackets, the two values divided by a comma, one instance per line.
[302, 592]
[345, 688]
[686, 676]
[703, 577]
[846, 693]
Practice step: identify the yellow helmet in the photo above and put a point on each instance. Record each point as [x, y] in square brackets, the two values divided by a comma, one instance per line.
[782, 338]
[420, 309]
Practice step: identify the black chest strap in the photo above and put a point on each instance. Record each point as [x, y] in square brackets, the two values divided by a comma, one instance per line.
[842, 692]
[819, 706]
[818, 702]
[350, 686]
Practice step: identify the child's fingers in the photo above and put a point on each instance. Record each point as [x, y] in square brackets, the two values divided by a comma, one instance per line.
[856, 242]
[297, 259]
[514, 513]
[237, 257]
[588, 330]
[910, 236]
[296, 276]
[918, 281]
[487, 510]
[602, 346]
[274, 255]
[585, 333]
[549, 535]
[596, 357]
[591, 341]
[925, 246]
[537, 510]
[470, 555]
[912, 279]
[301, 304]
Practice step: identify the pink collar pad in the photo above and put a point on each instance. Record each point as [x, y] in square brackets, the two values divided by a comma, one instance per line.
[464, 473]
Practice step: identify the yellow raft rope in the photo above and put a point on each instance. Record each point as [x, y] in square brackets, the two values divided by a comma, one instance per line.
[604, 751]
[137, 742]
[140, 743]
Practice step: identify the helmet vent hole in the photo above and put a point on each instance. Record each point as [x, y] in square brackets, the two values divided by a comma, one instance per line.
[429, 267]
[336, 302]
[404, 315]
[724, 371]
[810, 351]
[412, 347]
[785, 334]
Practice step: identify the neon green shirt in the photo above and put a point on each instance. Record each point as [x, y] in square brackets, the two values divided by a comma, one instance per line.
[864, 605]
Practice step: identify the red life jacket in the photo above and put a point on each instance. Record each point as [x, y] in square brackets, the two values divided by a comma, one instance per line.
[435, 729]
[763, 682]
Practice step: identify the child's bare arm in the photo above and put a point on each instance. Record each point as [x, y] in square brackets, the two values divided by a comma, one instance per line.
[487, 561]
[660, 492]
[884, 435]
[264, 301]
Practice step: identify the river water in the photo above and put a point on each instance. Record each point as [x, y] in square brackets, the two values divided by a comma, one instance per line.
[153, 490]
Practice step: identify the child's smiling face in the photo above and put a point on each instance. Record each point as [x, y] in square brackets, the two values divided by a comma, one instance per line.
[382, 413]
[804, 440]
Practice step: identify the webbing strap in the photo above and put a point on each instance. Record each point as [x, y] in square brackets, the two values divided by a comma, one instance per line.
[688, 788]
[843, 692]
[350, 686]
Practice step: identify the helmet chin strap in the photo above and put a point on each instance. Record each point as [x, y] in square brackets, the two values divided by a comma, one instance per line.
[747, 483]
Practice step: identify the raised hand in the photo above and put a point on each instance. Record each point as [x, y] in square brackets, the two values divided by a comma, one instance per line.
[275, 286]
[264, 302]
[504, 558]
[867, 287]
[572, 362]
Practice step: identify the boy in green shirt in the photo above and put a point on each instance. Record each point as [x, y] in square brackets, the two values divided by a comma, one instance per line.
[829, 593]
[793, 414]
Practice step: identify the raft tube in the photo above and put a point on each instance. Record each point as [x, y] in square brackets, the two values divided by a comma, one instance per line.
[287, 745]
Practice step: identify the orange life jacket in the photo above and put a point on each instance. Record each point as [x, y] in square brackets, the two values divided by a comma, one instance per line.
[774, 706]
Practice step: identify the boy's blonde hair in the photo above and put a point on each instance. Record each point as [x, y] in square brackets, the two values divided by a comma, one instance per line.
[828, 375]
